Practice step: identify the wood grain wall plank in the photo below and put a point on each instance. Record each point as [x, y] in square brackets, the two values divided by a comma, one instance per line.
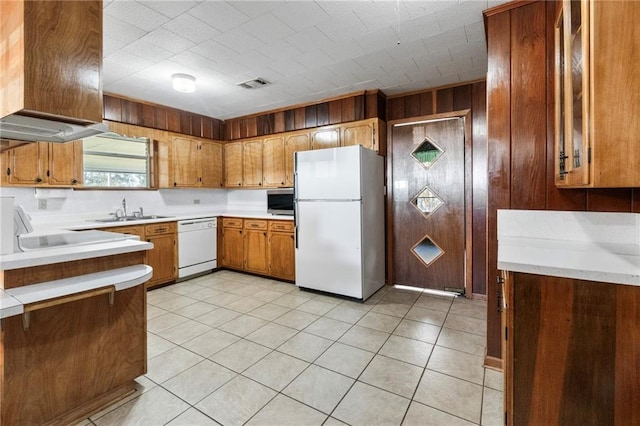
[426, 103]
[131, 112]
[335, 111]
[412, 105]
[462, 97]
[371, 105]
[196, 125]
[479, 195]
[498, 158]
[396, 108]
[322, 114]
[278, 122]
[112, 108]
[185, 122]
[160, 118]
[528, 105]
[348, 109]
[444, 100]
[148, 116]
[207, 127]
[252, 127]
[289, 120]
[627, 350]
[173, 120]
[609, 200]
[358, 107]
[299, 119]
[310, 116]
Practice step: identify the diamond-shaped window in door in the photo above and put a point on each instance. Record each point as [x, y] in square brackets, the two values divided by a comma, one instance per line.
[427, 201]
[427, 251]
[427, 153]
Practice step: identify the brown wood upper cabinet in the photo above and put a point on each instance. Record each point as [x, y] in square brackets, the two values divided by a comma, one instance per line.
[273, 161]
[51, 59]
[44, 164]
[233, 165]
[597, 94]
[365, 133]
[294, 142]
[252, 163]
[325, 137]
[196, 163]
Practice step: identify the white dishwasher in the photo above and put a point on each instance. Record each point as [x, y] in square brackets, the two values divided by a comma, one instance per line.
[197, 246]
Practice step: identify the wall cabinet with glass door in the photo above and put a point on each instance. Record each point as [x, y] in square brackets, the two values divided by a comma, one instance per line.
[597, 94]
[44, 164]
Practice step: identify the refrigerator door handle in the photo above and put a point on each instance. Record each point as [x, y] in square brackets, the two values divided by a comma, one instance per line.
[295, 223]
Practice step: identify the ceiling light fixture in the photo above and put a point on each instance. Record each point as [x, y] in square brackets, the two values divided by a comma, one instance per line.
[184, 83]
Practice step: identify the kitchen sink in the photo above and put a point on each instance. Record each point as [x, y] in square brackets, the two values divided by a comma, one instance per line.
[130, 218]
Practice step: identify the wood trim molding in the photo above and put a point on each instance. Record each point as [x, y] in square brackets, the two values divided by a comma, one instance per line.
[434, 89]
[506, 7]
[493, 363]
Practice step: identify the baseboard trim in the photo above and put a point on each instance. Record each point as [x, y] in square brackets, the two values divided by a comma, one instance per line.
[493, 363]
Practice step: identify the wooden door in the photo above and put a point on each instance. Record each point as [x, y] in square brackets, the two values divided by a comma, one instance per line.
[429, 204]
[327, 137]
[162, 258]
[252, 163]
[211, 165]
[273, 162]
[28, 164]
[293, 144]
[361, 133]
[65, 164]
[233, 165]
[186, 171]
[282, 255]
[232, 248]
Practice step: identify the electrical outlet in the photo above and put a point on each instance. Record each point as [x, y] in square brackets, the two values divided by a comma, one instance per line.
[196, 201]
[42, 204]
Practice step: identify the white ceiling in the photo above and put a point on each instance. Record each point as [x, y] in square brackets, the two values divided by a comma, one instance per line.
[308, 50]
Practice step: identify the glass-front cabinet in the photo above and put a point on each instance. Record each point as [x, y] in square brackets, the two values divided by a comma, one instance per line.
[572, 93]
[597, 94]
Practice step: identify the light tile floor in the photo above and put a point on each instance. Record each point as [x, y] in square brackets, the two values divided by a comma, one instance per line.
[233, 349]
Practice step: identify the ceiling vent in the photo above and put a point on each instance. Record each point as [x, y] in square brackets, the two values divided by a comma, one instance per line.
[253, 84]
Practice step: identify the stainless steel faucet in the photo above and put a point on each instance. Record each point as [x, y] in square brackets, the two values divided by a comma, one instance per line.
[124, 207]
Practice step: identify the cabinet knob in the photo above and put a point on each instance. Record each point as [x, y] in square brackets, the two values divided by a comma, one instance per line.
[175, 184]
[74, 181]
[8, 171]
[259, 183]
[239, 183]
[38, 180]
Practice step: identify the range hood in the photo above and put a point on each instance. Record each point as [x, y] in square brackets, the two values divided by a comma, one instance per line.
[24, 128]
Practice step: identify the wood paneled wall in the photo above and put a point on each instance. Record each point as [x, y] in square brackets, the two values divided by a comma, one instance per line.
[160, 117]
[470, 96]
[520, 98]
[358, 106]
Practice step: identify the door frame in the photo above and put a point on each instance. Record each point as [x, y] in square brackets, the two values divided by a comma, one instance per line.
[465, 115]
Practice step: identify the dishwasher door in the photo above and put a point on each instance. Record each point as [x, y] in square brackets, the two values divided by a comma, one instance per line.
[197, 246]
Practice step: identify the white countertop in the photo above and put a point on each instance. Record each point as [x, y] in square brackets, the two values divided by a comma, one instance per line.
[13, 300]
[602, 247]
[82, 222]
[70, 253]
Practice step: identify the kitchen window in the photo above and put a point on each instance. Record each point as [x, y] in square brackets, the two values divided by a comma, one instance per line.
[111, 160]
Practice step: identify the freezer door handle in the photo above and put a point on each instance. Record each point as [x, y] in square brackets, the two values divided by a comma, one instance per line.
[295, 223]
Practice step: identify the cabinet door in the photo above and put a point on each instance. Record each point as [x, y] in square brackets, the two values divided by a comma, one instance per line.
[360, 133]
[273, 162]
[576, 91]
[252, 163]
[293, 144]
[282, 255]
[186, 165]
[327, 137]
[28, 164]
[162, 258]
[255, 250]
[65, 164]
[232, 248]
[211, 163]
[163, 163]
[233, 165]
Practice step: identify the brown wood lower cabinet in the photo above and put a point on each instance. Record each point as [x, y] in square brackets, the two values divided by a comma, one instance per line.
[259, 246]
[572, 352]
[163, 258]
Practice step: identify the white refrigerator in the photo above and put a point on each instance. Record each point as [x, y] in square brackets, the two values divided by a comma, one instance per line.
[339, 219]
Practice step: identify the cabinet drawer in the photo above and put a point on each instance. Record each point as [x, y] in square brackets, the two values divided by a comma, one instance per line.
[131, 230]
[255, 224]
[231, 222]
[286, 226]
[160, 228]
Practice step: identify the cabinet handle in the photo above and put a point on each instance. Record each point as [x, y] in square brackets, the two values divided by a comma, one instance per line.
[500, 293]
[8, 171]
[38, 180]
[48, 173]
